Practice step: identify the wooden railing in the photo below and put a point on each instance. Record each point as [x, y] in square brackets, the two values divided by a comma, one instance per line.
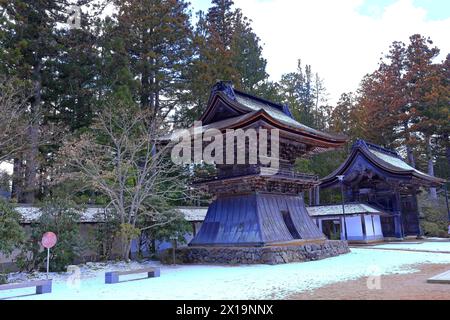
[256, 170]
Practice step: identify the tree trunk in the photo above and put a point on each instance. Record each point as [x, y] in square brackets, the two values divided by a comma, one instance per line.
[33, 133]
[17, 181]
[448, 155]
[409, 151]
[126, 248]
[447, 149]
[433, 193]
[411, 160]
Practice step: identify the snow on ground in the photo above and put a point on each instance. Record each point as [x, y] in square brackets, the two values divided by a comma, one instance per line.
[441, 246]
[205, 282]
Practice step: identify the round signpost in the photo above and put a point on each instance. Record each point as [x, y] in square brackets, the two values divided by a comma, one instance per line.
[48, 241]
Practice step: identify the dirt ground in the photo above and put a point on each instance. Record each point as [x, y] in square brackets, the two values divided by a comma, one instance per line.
[411, 286]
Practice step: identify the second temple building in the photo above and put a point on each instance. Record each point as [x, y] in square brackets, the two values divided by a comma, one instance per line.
[379, 177]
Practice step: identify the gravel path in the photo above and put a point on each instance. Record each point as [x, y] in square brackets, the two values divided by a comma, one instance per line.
[411, 286]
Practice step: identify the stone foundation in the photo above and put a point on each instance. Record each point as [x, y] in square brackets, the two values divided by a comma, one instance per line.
[256, 255]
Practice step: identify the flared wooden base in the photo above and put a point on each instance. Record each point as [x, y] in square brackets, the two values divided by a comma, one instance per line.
[257, 220]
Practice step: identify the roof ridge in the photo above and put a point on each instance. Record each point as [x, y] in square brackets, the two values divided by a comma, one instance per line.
[278, 105]
[283, 108]
[376, 147]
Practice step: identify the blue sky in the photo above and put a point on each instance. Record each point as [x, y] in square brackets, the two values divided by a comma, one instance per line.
[341, 39]
[436, 9]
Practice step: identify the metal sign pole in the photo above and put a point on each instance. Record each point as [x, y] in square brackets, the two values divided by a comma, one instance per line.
[48, 261]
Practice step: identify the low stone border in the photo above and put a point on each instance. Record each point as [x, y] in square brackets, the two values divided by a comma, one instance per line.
[255, 255]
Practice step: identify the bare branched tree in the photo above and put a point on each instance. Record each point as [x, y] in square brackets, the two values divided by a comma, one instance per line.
[120, 158]
[14, 117]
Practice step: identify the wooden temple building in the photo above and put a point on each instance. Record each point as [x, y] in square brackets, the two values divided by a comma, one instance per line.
[379, 177]
[256, 205]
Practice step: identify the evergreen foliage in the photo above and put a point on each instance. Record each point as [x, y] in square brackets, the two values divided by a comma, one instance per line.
[62, 217]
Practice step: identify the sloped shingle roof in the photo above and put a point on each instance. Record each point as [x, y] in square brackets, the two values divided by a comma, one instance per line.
[336, 210]
[387, 160]
[89, 215]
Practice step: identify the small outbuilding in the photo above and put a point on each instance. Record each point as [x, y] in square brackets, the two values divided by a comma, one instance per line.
[356, 222]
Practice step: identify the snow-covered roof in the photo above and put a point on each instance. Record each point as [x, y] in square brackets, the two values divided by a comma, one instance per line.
[397, 162]
[90, 214]
[336, 210]
[193, 213]
[387, 161]
[31, 214]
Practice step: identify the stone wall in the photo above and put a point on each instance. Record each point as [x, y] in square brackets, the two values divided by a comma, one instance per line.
[255, 255]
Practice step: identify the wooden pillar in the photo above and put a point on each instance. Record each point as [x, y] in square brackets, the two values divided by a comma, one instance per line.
[398, 223]
[317, 195]
[416, 207]
[373, 225]
[363, 225]
[194, 229]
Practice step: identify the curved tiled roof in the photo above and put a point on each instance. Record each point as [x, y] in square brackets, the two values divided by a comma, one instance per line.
[244, 108]
[385, 159]
[241, 103]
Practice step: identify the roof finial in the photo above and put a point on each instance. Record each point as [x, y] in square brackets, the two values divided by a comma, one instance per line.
[225, 86]
[359, 143]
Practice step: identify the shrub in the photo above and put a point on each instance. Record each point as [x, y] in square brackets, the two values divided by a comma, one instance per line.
[435, 219]
[11, 232]
[3, 278]
[170, 224]
[431, 229]
[106, 233]
[61, 217]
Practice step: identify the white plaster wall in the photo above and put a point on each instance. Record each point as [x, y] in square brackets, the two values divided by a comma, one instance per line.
[377, 223]
[369, 225]
[354, 227]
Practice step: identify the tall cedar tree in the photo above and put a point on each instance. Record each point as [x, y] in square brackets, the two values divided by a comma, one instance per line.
[404, 104]
[226, 48]
[305, 93]
[153, 39]
[37, 48]
[344, 117]
[28, 41]
[427, 94]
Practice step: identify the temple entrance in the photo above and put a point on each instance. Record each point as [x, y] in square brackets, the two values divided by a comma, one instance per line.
[388, 226]
[410, 216]
[332, 229]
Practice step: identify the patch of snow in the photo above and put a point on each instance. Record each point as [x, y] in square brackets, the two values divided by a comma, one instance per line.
[86, 271]
[205, 282]
[437, 246]
[438, 239]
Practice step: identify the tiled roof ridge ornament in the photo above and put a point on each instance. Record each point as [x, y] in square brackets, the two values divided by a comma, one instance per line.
[225, 86]
[287, 111]
[360, 143]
